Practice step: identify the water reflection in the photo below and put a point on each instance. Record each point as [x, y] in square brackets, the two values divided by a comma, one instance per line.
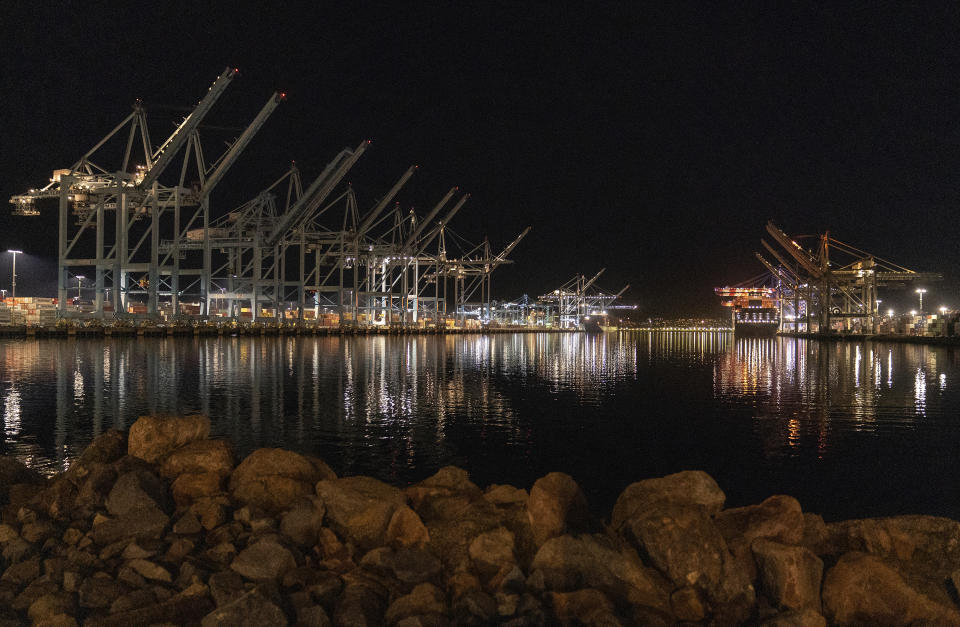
[770, 414]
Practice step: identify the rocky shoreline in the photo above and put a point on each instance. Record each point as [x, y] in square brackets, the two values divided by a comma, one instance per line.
[162, 525]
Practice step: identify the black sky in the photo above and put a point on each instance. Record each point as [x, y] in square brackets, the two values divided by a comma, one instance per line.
[653, 140]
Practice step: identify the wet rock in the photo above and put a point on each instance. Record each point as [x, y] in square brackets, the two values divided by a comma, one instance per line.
[862, 589]
[778, 518]
[424, 599]
[790, 575]
[586, 606]
[152, 438]
[360, 508]
[557, 506]
[253, 608]
[137, 490]
[492, 550]
[406, 529]
[265, 560]
[567, 563]
[192, 486]
[200, 457]
[302, 523]
[136, 524]
[690, 487]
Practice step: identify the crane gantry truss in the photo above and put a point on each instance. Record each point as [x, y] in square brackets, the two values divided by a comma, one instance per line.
[154, 246]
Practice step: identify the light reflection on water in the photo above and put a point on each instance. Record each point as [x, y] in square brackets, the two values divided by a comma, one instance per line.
[849, 428]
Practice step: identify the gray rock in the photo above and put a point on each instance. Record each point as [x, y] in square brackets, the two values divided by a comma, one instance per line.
[266, 560]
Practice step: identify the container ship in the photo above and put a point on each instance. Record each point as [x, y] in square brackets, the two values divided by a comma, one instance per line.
[754, 311]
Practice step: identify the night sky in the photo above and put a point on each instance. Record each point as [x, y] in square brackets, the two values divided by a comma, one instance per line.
[655, 141]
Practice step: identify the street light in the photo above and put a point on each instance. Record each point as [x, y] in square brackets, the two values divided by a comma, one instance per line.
[921, 291]
[13, 292]
[80, 278]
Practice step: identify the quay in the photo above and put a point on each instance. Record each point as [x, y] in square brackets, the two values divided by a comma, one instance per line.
[228, 329]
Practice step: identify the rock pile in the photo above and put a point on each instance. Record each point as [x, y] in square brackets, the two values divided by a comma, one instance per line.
[162, 526]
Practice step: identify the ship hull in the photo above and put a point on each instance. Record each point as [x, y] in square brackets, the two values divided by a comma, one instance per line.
[755, 329]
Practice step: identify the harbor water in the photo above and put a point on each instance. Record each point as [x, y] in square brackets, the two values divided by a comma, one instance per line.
[850, 429]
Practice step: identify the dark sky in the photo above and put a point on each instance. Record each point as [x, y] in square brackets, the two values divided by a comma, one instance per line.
[655, 141]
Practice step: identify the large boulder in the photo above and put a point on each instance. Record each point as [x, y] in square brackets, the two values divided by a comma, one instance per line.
[446, 482]
[690, 487]
[302, 522]
[790, 575]
[137, 524]
[152, 438]
[557, 506]
[135, 490]
[250, 608]
[360, 508]
[862, 589]
[272, 479]
[493, 550]
[568, 563]
[200, 456]
[777, 518]
[106, 448]
[12, 472]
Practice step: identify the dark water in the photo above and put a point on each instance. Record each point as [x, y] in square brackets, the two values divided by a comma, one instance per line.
[850, 429]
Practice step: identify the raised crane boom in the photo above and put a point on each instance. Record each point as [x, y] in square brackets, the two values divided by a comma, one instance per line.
[592, 281]
[372, 216]
[318, 191]
[795, 251]
[166, 153]
[443, 222]
[506, 251]
[430, 216]
[231, 156]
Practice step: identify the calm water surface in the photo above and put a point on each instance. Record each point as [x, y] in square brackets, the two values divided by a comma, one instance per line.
[850, 429]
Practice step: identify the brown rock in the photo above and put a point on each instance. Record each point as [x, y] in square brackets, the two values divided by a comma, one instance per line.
[149, 570]
[251, 608]
[690, 487]
[862, 589]
[50, 605]
[96, 484]
[226, 587]
[58, 500]
[188, 524]
[12, 472]
[360, 508]
[796, 618]
[505, 495]
[406, 529]
[178, 610]
[302, 523]
[424, 599]
[152, 438]
[136, 490]
[200, 457]
[448, 481]
[7, 533]
[313, 616]
[22, 573]
[568, 563]
[271, 479]
[191, 486]
[211, 510]
[106, 448]
[790, 575]
[99, 592]
[557, 506]
[687, 605]
[263, 561]
[778, 518]
[135, 524]
[586, 607]
[492, 550]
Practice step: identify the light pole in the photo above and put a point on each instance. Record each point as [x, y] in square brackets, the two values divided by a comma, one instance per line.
[80, 278]
[13, 291]
[921, 291]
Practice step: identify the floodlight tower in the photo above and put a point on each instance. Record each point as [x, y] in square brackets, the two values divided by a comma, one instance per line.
[13, 291]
